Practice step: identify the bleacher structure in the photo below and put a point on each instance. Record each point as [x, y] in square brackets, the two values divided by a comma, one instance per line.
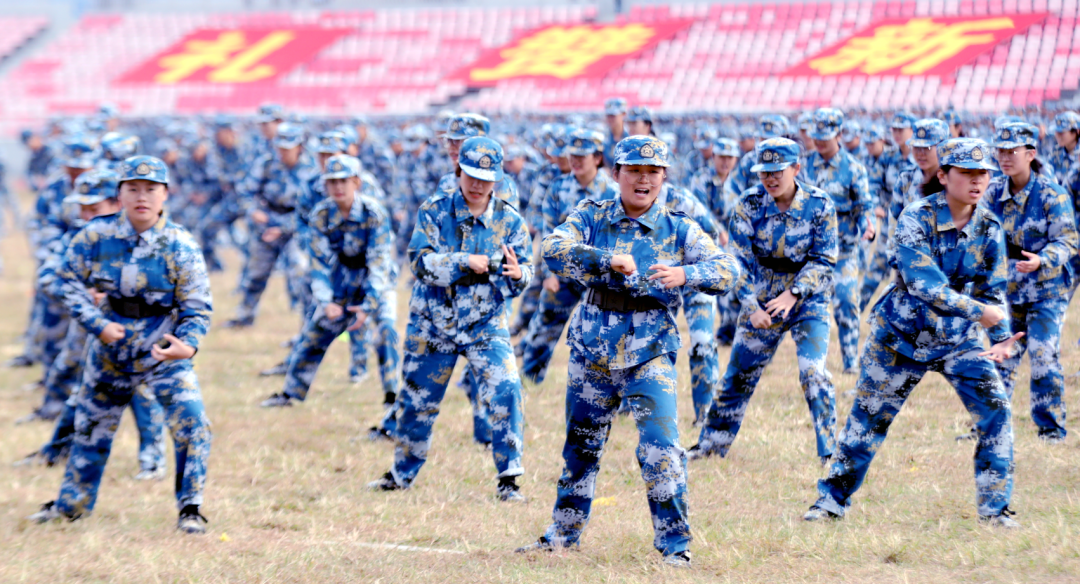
[731, 57]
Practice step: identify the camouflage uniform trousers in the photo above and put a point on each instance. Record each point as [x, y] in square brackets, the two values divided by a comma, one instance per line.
[546, 327]
[593, 396]
[149, 420]
[1042, 321]
[63, 377]
[845, 302]
[752, 352]
[877, 269]
[260, 265]
[219, 218]
[46, 331]
[428, 365]
[358, 339]
[728, 309]
[530, 299]
[886, 381]
[700, 312]
[101, 401]
[319, 332]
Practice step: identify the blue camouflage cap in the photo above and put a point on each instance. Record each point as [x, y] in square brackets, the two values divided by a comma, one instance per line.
[615, 106]
[116, 146]
[726, 147]
[556, 146]
[359, 120]
[929, 132]
[827, 122]
[643, 150]
[875, 133]
[515, 151]
[1065, 121]
[966, 153]
[25, 135]
[341, 166]
[952, 117]
[775, 154]
[329, 142]
[80, 151]
[464, 126]
[805, 121]
[224, 122]
[144, 168]
[289, 135]
[639, 113]
[583, 142]
[704, 136]
[773, 126]
[1000, 121]
[269, 112]
[108, 111]
[94, 187]
[747, 131]
[482, 158]
[415, 135]
[349, 133]
[1015, 135]
[903, 121]
[850, 130]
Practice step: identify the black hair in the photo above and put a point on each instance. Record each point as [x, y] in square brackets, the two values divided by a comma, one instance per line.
[933, 185]
[1036, 164]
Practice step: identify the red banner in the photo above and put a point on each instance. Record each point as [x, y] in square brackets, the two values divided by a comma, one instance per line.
[915, 46]
[568, 51]
[233, 56]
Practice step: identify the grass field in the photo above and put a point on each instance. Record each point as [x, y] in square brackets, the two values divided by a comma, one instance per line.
[287, 501]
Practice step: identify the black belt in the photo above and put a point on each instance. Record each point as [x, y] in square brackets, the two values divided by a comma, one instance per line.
[279, 209]
[356, 262]
[131, 307]
[473, 278]
[1014, 251]
[781, 265]
[622, 302]
[843, 213]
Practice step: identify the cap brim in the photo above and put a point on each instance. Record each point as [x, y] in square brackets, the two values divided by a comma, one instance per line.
[79, 163]
[332, 175]
[86, 199]
[642, 162]
[287, 143]
[556, 152]
[771, 167]
[917, 143]
[613, 111]
[984, 164]
[1008, 145]
[490, 174]
[581, 151]
[900, 126]
[824, 135]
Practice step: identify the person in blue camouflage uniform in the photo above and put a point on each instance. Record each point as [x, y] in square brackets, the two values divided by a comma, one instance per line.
[784, 233]
[413, 183]
[615, 117]
[353, 278]
[708, 186]
[553, 145]
[227, 164]
[95, 193]
[269, 195]
[741, 179]
[193, 174]
[156, 313]
[471, 256]
[461, 127]
[40, 161]
[1039, 221]
[624, 339]
[639, 121]
[878, 154]
[950, 255]
[851, 133]
[268, 118]
[51, 219]
[117, 147]
[375, 157]
[920, 180]
[325, 146]
[838, 173]
[1063, 155]
[586, 180]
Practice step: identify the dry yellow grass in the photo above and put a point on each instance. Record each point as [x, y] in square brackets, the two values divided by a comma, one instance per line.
[287, 503]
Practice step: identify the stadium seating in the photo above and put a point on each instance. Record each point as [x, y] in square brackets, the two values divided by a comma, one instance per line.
[401, 61]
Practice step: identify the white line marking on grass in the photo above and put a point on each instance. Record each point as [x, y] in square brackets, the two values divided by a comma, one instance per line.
[404, 548]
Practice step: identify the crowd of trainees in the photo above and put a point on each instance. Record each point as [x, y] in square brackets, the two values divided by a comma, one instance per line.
[768, 240]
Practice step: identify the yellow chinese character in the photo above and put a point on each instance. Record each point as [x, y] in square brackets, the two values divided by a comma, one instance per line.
[566, 52]
[915, 47]
[228, 57]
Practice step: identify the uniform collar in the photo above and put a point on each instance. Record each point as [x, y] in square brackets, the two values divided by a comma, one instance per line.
[819, 160]
[648, 219]
[462, 213]
[797, 204]
[356, 213]
[127, 231]
[944, 216]
[1021, 197]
